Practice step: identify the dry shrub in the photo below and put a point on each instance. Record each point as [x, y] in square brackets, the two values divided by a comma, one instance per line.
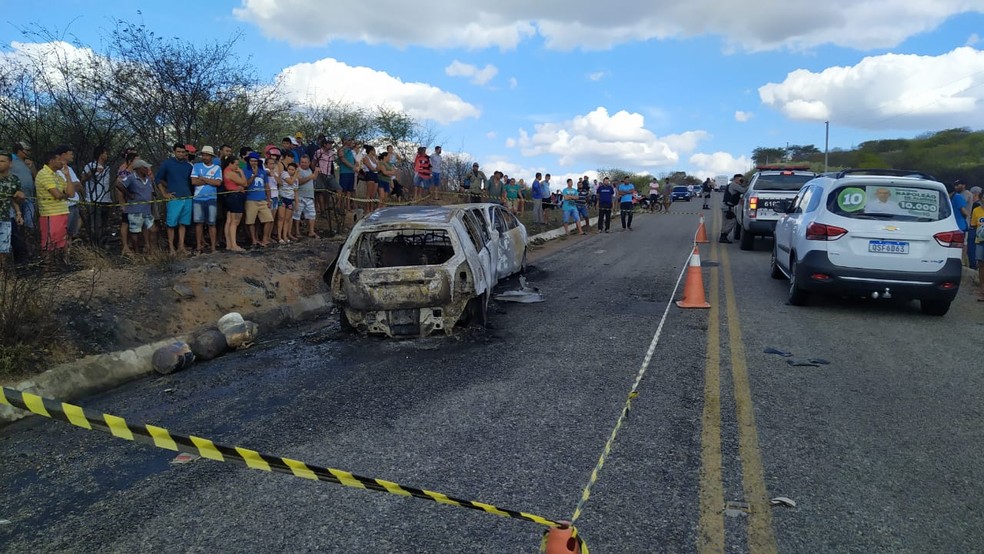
[28, 324]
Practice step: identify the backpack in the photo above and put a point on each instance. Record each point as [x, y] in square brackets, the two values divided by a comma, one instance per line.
[731, 198]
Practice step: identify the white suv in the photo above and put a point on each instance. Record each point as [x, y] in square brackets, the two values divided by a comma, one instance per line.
[769, 186]
[870, 233]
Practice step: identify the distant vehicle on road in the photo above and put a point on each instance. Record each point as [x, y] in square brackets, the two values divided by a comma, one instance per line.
[680, 192]
[870, 233]
[769, 185]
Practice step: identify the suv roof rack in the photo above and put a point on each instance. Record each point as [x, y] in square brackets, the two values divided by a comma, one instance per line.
[886, 172]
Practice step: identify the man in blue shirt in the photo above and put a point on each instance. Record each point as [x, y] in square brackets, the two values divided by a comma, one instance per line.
[606, 197]
[206, 176]
[174, 183]
[626, 191]
[961, 210]
[538, 199]
[570, 207]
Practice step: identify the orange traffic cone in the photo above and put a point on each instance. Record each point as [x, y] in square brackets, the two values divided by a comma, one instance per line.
[563, 540]
[701, 232]
[693, 288]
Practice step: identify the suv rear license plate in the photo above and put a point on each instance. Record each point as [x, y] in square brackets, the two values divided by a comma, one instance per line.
[888, 246]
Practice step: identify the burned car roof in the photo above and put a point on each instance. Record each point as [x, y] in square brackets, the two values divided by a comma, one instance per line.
[418, 214]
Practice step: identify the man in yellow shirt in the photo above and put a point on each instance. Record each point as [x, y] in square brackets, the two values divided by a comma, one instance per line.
[53, 194]
[976, 222]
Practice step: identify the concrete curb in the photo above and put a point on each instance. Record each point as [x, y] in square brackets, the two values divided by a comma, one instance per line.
[558, 232]
[101, 372]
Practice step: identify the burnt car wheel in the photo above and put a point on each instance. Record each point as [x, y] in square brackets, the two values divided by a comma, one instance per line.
[478, 310]
[343, 322]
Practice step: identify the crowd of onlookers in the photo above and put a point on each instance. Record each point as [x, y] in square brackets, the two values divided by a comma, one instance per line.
[208, 197]
[968, 208]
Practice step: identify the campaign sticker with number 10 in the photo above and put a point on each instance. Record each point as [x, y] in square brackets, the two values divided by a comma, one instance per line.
[852, 199]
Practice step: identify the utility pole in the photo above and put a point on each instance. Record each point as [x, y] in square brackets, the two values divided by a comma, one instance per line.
[826, 144]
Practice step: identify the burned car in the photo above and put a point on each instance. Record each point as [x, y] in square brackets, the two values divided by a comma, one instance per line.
[413, 270]
[508, 237]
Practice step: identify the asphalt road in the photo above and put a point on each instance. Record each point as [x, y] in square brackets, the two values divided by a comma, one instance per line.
[880, 449]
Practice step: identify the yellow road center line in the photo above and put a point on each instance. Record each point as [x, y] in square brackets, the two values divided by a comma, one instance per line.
[761, 535]
[710, 531]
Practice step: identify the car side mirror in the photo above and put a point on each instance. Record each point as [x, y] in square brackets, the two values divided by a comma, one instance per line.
[783, 206]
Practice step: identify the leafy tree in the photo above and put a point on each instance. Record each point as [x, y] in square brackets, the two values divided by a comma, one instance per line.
[765, 155]
[805, 153]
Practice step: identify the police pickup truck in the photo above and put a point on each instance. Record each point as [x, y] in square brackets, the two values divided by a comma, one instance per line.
[769, 186]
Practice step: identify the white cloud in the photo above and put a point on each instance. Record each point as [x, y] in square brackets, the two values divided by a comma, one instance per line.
[973, 39]
[892, 91]
[596, 76]
[742, 117]
[491, 135]
[718, 163]
[326, 79]
[478, 76]
[600, 139]
[567, 24]
[513, 83]
[50, 55]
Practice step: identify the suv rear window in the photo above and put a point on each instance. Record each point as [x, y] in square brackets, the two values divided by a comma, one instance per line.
[400, 248]
[782, 181]
[889, 201]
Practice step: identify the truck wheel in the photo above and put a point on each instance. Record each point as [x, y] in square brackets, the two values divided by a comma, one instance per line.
[747, 241]
[934, 307]
[737, 231]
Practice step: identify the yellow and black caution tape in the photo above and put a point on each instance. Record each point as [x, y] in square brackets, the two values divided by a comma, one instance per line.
[162, 438]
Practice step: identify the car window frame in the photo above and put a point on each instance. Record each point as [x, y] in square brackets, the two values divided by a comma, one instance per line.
[474, 235]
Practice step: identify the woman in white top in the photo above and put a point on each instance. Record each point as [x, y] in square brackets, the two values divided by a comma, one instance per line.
[286, 191]
[273, 181]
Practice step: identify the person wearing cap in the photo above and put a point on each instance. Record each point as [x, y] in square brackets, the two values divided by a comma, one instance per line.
[130, 156]
[298, 141]
[258, 201]
[53, 194]
[174, 183]
[206, 176]
[22, 166]
[138, 192]
[973, 226]
[474, 182]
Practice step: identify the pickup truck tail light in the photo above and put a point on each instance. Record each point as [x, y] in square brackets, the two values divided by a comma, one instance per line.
[753, 204]
[819, 231]
[950, 239]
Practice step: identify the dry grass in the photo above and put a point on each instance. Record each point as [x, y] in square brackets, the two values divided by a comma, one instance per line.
[28, 325]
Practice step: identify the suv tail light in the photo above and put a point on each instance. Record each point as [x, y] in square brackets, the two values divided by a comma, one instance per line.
[753, 204]
[950, 239]
[819, 231]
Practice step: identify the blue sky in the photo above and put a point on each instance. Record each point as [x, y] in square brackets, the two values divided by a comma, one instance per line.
[569, 86]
